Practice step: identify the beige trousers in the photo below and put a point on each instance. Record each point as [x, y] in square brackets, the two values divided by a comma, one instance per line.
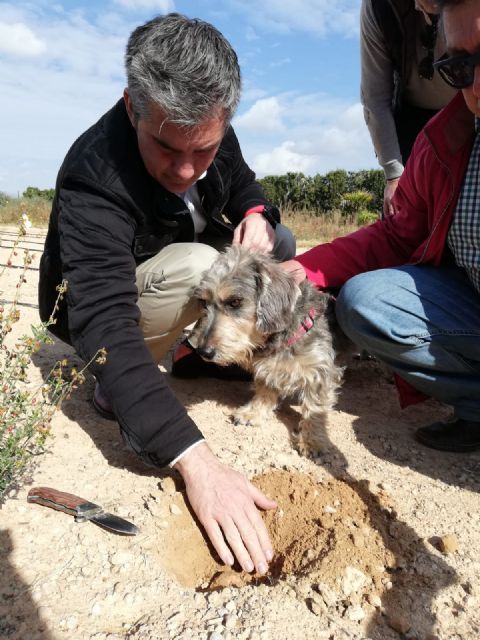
[164, 285]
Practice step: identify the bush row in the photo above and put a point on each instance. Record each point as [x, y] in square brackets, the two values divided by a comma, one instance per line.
[322, 193]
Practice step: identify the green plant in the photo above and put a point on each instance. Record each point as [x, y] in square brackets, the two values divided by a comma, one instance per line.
[364, 217]
[26, 412]
[355, 201]
[35, 192]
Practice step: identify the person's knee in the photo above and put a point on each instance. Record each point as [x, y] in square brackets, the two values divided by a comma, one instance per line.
[357, 304]
[190, 265]
[197, 260]
[285, 243]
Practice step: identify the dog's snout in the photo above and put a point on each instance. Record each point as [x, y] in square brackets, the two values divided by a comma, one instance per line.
[207, 353]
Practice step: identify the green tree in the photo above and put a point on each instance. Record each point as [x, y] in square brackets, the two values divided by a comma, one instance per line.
[35, 192]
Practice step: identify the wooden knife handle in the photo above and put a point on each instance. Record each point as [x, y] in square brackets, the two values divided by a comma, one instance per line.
[61, 501]
[57, 498]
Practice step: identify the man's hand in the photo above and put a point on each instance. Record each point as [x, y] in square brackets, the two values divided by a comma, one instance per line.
[295, 269]
[224, 502]
[390, 188]
[256, 233]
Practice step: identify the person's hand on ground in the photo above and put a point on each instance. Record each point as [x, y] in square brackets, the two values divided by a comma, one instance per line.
[256, 233]
[388, 192]
[225, 503]
[295, 269]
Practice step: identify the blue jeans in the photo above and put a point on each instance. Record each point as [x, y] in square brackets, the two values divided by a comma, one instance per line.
[424, 322]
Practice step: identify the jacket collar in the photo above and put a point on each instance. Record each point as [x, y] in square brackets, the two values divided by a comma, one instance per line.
[457, 123]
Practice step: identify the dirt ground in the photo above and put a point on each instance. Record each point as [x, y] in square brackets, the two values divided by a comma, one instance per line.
[376, 538]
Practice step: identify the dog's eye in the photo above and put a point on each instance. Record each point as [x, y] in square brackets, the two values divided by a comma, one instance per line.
[202, 303]
[235, 303]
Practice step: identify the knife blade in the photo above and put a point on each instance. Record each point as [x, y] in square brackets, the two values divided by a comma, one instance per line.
[83, 510]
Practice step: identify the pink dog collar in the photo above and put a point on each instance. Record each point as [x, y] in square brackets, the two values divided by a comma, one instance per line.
[305, 326]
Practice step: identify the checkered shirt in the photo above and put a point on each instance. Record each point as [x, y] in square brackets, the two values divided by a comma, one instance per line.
[464, 233]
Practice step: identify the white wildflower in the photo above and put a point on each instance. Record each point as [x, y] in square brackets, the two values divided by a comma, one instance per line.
[26, 222]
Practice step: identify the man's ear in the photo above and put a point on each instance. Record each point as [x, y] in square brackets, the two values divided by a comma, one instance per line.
[129, 106]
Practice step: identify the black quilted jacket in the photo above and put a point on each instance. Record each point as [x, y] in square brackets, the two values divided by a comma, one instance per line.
[108, 216]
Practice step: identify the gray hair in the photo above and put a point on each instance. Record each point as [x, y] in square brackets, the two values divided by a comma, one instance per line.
[184, 66]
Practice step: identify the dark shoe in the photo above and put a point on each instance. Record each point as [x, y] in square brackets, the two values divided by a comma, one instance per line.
[101, 404]
[459, 435]
[186, 363]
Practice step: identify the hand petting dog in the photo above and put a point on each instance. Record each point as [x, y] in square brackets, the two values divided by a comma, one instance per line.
[255, 233]
[295, 269]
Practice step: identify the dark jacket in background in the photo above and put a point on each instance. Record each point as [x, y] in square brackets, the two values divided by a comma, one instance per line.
[108, 216]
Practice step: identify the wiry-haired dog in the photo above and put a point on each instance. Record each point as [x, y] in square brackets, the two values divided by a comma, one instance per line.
[257, 316]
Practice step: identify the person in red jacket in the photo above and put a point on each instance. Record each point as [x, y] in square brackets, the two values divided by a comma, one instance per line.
[410, 284]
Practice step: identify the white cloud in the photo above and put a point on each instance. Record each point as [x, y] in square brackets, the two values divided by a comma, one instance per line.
[264, 115]
[162, 6]
[322, 133]
[48, 104]
[19, 40]
[282, 159]
[322, 17]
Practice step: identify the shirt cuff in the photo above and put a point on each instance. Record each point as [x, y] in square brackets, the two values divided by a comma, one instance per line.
[258, 209]
[180, 455]
[393, 170]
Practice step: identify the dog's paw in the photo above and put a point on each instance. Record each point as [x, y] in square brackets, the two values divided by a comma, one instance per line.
[310, 439]
[244, 415]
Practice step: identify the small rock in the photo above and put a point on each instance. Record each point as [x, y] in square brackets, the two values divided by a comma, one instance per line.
[121, 558]
[230, 621]
[358, 540]
[71, 622]
[448, 543]
[318, 605]
[353, 581]
[375, 600]
[329, 509]
[167, 485]
[329, 596]
[175, 510]
[398, 623]
[355, 613]
[310, 555]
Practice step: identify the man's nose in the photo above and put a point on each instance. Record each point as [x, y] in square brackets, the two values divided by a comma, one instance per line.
[184, 168]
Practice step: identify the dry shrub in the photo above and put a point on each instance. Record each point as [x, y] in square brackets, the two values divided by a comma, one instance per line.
[38, 210]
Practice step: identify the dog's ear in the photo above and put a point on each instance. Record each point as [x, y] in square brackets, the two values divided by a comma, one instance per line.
[277, 294]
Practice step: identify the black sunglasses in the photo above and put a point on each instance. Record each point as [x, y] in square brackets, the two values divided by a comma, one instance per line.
[458, 71]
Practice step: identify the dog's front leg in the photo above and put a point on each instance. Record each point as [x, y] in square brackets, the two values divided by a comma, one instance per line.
[310, 439]
[259, 409]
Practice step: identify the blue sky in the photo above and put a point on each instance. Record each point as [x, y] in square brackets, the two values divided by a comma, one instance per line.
[61, 67]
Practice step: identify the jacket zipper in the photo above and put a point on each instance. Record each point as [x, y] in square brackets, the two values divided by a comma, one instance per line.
[434, 228]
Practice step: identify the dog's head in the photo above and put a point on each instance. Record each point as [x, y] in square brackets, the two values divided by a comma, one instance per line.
[245, 297]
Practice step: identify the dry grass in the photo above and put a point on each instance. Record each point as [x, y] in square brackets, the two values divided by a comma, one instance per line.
[37, 209]
[308, 228]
